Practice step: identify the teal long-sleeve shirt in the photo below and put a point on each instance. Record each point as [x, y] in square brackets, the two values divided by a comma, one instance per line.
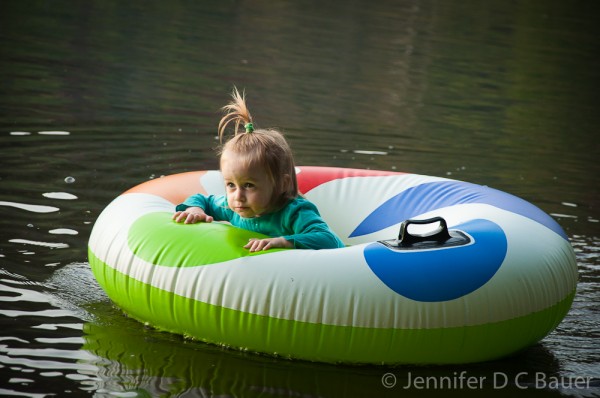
[298, 222]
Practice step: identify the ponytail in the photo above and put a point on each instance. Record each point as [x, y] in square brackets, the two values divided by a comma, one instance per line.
[236, 111]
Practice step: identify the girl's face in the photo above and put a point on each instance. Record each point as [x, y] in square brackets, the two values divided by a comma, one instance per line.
[249, 190]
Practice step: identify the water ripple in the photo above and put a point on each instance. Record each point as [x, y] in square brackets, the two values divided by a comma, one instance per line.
[32, 208]
[13, 393]
[47, 353]
[25, 295]
[59, 195]
[45, 364]
[63, 231]
[36, 243]
[57, 326]
[44, 313]
[61, 340]
[54, 133]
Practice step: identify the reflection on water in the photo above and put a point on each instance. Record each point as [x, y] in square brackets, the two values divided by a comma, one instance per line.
[100, 96]
[160, 364]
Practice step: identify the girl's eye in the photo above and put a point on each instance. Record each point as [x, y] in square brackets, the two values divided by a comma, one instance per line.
[247, 185]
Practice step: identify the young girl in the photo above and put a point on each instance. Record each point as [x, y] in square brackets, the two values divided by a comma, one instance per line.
[262, 191]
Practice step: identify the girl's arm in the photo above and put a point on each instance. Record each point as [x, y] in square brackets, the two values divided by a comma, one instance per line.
[256, 245]
[310, 231]
[192, 215]
[199, 208]
[315, 236]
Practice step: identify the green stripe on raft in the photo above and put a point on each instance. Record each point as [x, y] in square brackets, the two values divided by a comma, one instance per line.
[319, 342]
[226, 242]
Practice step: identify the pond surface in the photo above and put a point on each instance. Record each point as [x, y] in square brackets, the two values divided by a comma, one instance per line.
[99, 96]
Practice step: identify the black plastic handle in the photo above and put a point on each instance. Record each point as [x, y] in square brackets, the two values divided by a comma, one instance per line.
[440, 234]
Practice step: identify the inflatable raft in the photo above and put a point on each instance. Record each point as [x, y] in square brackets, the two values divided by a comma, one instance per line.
[435, 270]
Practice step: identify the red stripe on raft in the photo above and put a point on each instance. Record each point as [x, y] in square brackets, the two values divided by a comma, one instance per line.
[311, 177]
[174, 188]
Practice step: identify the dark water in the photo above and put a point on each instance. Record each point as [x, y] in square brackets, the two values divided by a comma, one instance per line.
[99, 96]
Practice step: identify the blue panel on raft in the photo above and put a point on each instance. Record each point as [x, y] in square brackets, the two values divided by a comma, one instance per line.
[435, 195]
[441, 274]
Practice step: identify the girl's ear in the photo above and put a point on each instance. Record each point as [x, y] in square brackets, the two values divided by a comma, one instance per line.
[286, 180]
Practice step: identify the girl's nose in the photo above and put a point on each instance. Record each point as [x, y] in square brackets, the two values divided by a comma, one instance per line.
[239, 195]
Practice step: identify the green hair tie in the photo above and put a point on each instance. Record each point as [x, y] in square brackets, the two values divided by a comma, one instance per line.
[249, 127]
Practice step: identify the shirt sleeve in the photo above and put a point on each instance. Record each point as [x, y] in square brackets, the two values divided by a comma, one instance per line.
[309, 230]
[215, 206]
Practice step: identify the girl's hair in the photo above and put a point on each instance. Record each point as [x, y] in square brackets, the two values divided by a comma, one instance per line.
[266, 148]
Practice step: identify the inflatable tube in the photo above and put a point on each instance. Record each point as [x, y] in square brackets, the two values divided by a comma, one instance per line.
[501, 279]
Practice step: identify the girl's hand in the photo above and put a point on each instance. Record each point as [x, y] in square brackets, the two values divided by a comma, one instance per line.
[255, 245]
[192, 215]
